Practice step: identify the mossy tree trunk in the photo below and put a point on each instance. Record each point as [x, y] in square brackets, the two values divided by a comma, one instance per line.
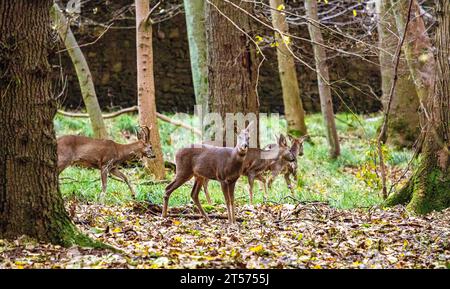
[429, 187]
[232, 61]
[323, 79]
[30, 200]
[196, 31]
[146, 86]
[403, 126]
[83, 72]
[293, 107]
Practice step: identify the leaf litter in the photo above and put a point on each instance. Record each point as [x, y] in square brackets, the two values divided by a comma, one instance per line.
[306, 235]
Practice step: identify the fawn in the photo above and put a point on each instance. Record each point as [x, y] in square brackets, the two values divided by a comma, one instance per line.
[259, 161]
[204, 162]
[287, 168]
[105, 155]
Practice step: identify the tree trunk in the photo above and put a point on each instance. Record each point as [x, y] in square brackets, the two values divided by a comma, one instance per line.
[30, 200]
[323, 79]
[429, 187]
[83, 72]
[146, 85]
[293, 107]
[195, 24]
[232, 62]
[403, 125]
[417, 48]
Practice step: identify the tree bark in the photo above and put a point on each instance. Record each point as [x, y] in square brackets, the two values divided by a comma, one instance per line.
[232, 61]
[403, 125]
[30, 200]
[293, 107]
[146, 86]
[195, 24]
[429, 187]
[83, 72]
[323, 79]
[417, 48]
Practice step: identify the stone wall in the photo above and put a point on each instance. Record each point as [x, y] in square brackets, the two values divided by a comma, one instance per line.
[112, 60]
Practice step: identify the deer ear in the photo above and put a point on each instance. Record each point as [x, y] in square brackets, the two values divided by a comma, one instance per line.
[282, 140]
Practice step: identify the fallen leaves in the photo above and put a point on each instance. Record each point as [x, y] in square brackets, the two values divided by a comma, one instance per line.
[311, 235]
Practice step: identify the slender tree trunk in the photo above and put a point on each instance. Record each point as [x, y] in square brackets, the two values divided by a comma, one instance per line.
[323, 79]
[195, 24]
[403, 125]
[30, 200]
[293, 107]
[232, 61]
[417, 48]
[146, 85]
[429, 187]
[83, 72]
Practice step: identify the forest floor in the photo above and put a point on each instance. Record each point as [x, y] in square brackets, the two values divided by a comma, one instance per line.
[334, 220]
[307, 235]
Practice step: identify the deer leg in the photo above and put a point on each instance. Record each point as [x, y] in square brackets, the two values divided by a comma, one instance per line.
[205, 188]
[288, 183]
[263, 182]
[123, 177]
[104, 177]
[251, 180]
[194, 195]
[227, 199]
[233, 207]
[170, 188]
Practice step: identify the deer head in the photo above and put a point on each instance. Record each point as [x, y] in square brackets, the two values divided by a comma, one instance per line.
[284, 151]
[243, 140]
[297, 145]
[143, 136]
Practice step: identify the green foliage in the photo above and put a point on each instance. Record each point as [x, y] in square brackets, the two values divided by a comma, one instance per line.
[347, 182]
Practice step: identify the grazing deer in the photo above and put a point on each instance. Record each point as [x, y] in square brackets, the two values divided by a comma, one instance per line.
[105, 155]
[287, 168]
[204, 162]
[259, 161]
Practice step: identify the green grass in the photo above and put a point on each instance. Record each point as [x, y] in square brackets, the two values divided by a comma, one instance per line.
[320, 179]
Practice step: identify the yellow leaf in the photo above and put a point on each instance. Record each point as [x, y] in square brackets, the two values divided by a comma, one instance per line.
[354, 12]
[176, 222]
[317, 267]
[257, 249]
[280, 7]
[258, 39]
[326, 1]
[117, 230]
[287, 40]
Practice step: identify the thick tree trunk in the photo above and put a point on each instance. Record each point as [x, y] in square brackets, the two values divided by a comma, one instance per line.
[83, 72]
[429, 187]
[30, 201]
[195, 24]
[232, 61]
[146, 86]
[403, 125]
[417, 48]
[293, 107]
[323, 79]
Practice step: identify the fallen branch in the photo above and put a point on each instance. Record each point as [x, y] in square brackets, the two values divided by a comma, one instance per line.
[129, 110]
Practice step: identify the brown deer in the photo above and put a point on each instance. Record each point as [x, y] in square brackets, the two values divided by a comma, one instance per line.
[105, 155]
[204, 162]
[259, 161]
[287, 168]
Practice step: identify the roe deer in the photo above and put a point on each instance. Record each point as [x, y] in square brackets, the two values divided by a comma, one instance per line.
[288, 168]
[258, 161]
[105, 155]
[204, 162]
